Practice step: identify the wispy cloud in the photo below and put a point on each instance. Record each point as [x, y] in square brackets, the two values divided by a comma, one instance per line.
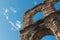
[13, 10]
[12, 29]
[7, 17]
[35, 3]
[12, 23]
[18, 24]
[6, 10]
[15, 26]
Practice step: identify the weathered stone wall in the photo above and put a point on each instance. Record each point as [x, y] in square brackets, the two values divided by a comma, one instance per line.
[35, 33]
[47, 7]
[54, 24]
[49, 25]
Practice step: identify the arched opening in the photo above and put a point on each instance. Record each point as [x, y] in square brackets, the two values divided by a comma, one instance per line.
[44, 34]
[49, 37]
[57, 5]
[38, 16]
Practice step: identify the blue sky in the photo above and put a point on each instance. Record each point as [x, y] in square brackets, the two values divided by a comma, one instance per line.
[11, 14]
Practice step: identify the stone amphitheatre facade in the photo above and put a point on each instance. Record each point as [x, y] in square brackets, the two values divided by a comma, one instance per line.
[49, 25]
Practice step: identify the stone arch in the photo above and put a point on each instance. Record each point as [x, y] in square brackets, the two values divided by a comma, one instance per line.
[47, 7]
[42, 27]
[40, 34]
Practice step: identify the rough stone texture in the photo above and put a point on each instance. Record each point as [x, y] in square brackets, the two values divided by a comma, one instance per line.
[47, 7]
[49, 25]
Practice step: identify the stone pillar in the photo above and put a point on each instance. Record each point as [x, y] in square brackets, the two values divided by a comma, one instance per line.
[54, 24]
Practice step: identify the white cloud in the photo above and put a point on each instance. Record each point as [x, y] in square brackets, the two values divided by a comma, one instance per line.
[12, 23]
[18, 24]
[6, 10]
[15, 26]
[13, 10]
[7, 17]
[12, 29]
[35, 3]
